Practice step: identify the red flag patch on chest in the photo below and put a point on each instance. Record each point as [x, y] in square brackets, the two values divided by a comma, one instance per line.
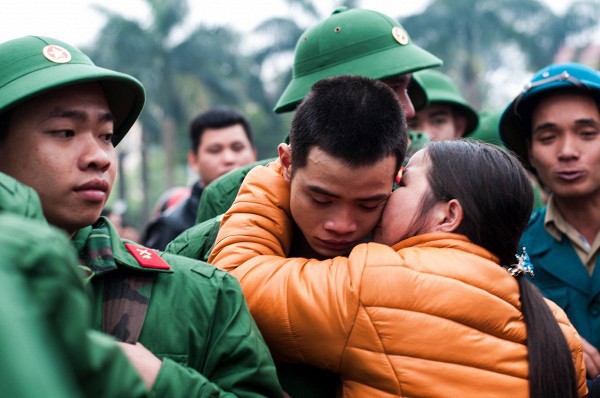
[147, 258]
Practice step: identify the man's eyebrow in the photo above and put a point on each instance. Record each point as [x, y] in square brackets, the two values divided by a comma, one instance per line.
[322, 191]
[587, 122]
[79, 115]
[440, 112]
[578, 122]
[107, 117]
[544, 126]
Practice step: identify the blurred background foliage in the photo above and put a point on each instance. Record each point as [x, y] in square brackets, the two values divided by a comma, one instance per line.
[485, 44]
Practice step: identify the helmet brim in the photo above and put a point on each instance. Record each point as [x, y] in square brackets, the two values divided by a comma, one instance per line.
[515, 122]
[395, 60]
[124, 94]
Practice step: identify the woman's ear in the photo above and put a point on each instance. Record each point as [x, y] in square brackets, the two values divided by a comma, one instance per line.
[285, 158]
[448, 216]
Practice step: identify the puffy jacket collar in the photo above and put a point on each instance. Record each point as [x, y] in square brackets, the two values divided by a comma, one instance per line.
[446, 240]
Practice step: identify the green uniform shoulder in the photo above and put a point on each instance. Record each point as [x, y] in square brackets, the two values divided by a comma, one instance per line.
[143, 258]
[197, 241]
[185, 264]
[47, 262]
[218, 196]
[32, 236]
[19, 199]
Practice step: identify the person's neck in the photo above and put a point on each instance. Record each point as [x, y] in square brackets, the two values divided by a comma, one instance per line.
[301, 248]
[582, 213]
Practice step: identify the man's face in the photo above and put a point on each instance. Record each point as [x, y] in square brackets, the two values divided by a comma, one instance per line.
[59, 143]
[220, 151]
[565, 145]
[399, 84]
[439, 122]
[335, 206]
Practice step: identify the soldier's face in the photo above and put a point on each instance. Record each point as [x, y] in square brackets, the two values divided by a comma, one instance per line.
[439, 121]
[221, 150]
[59, 143]
[565, 145]
[399, 84]
[336, 206]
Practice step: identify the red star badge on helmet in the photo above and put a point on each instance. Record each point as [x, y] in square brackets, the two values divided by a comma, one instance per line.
[56, 54]
[400, 35]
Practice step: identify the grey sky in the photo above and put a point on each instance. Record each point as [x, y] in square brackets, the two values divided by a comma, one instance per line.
[76, 22]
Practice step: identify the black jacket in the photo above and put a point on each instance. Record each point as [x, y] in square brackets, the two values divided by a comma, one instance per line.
[162, 230]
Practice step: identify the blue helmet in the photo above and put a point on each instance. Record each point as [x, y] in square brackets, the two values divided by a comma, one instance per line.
[515, 123]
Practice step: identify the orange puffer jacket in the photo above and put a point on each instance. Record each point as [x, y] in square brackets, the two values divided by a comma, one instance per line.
[433, 316]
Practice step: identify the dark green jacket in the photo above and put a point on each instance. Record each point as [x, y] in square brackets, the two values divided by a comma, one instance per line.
[45, 312]
[218, 196]
[48, 348]
[196, 242]
[562, 278]
[197, 322]
[297, 380]
[17, 198]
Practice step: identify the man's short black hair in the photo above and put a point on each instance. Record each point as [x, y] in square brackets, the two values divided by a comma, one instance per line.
[217, 118]
[356, 119]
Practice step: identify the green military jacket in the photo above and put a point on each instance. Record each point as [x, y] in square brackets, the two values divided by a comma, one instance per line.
[47, 346]
[197, 321]
[197, 241]
[17, 198]
[218, 196]
[297, 380]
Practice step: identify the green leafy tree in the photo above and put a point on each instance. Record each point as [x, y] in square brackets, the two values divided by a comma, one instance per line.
[281, 33]
[181, 77]
[476, 36]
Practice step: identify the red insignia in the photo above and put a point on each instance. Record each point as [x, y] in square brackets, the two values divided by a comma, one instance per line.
[56, 54]
[147, 258]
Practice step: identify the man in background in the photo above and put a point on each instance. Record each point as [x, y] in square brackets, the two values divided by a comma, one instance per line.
[221, 140]
[554, 127]
[447, 114]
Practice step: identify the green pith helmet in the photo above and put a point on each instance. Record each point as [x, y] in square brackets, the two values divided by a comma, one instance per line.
[32, 65]
[418, 140]
[488, 128]
[352, 42]
[515, 122]
[440, 88]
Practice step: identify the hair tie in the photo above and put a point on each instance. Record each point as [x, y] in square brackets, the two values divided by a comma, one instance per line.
[523, 265]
